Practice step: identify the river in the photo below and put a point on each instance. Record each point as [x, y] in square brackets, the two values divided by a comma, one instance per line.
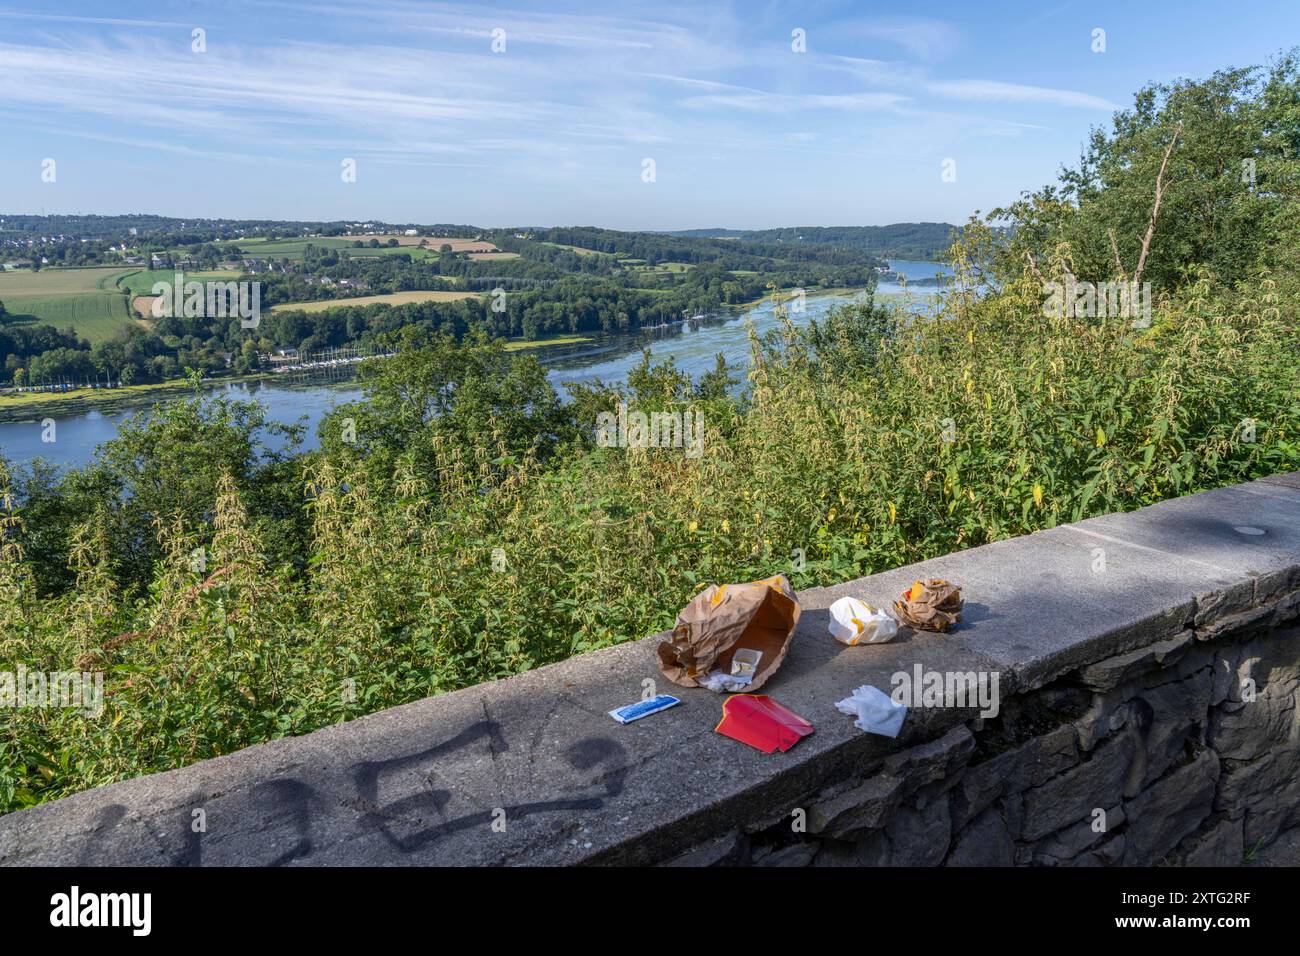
[693, 347]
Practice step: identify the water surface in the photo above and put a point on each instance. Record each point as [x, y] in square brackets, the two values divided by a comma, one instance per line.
[692, 346]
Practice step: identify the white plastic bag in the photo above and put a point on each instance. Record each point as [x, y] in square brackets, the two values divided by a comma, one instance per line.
[856, 622]
[877, 712]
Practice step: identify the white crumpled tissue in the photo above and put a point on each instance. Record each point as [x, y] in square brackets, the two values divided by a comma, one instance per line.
[856, 622]
[877, 712]
[720, 682]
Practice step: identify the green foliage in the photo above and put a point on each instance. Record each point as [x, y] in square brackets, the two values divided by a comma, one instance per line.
[1233, 177]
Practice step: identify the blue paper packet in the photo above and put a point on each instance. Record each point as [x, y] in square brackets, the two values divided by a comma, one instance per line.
[643, 708]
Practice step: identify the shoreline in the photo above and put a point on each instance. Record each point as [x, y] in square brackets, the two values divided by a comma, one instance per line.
[30, 407]
[27, 407]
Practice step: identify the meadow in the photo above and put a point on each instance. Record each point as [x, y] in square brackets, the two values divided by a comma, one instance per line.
[86, 300]
[140, 285]
[407, 245]
[389, 298]
[141, 281]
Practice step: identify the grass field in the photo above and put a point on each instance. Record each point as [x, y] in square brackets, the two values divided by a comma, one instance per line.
[85, 300]
[140, 281]
[638, 265]
[578, 249]
[407, 245]
[391, 298]
[294, 248]
[140, 284]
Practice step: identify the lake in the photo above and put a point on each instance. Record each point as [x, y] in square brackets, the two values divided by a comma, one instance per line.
[693, 347]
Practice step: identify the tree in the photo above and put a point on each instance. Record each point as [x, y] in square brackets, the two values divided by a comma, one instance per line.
[1194, 175]
[442, 394]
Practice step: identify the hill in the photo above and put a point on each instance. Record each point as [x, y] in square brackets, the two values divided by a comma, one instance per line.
[900, 240]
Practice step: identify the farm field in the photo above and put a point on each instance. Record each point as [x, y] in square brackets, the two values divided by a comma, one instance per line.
[459, 245]
[294, 248]
[140, 281]
[433, 242]
[390, 298]
[560, 245]
[406, 245]
[140, 284]
[86, 300]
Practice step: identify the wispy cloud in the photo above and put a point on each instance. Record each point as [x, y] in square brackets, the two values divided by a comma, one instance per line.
[715, 95]
[580, 95]
[992, 91]
[97, 21]
[926, 39]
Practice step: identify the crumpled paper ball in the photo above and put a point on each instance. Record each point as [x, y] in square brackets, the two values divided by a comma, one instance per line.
[931, 605]
[856, 622]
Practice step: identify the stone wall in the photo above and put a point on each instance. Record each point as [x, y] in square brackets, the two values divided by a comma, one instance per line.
[1181, 752]
[1147, 669]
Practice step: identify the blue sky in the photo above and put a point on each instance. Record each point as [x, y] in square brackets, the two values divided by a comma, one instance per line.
[555, 129]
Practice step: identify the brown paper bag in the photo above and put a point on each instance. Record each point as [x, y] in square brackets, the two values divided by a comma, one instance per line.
[721, 620]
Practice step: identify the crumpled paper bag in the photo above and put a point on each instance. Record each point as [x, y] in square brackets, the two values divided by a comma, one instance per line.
[857, 622]
[931, 605]
[877, 712]
[721, 620]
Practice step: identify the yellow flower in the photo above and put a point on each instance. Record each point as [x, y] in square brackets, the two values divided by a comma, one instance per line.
[726, 525]
[893, 513]
[1101, 437]
[693, 526]
[1038, 495]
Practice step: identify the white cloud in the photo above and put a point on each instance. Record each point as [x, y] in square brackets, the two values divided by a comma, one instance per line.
[925, 39]
[992, 91]
[729, 96]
